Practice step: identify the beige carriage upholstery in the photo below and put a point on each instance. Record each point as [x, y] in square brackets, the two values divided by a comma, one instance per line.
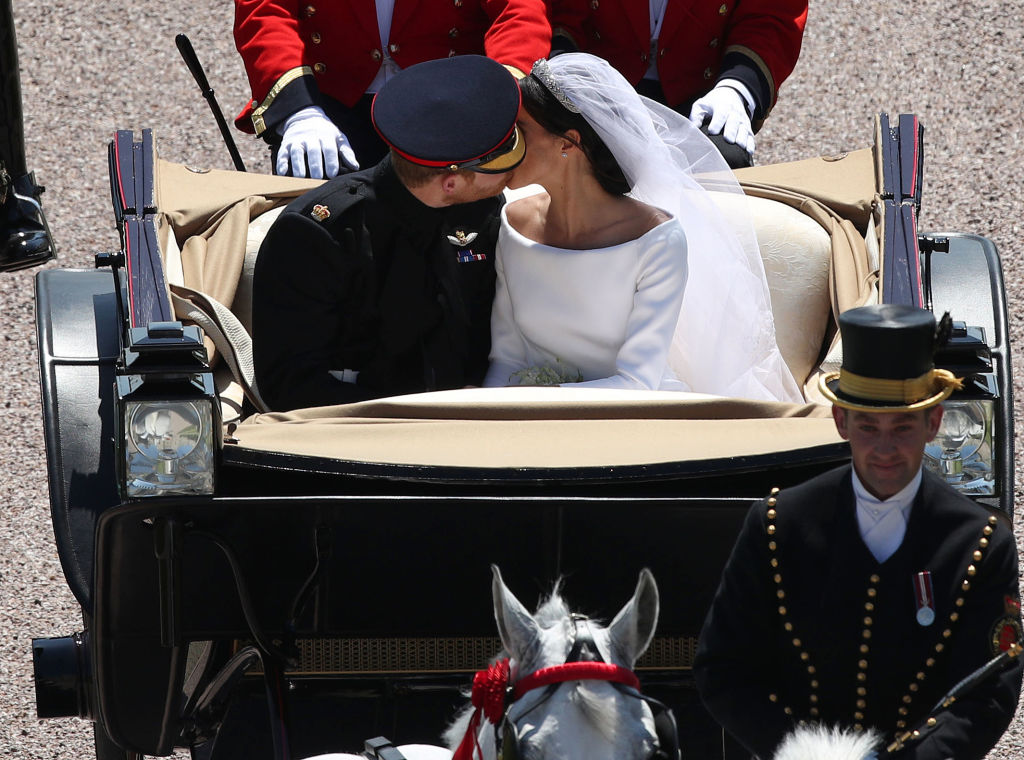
[811, 256]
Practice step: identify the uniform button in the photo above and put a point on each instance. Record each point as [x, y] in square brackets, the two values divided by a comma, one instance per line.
[773, 697]
[874, 579]
[861, 704]
[319, 68]
[723, 9]
[977, 556]
[707, 75]
[453, 32]
[713, 43]
[393, 48]
[317, 39]
[309, 11]
[375, 54]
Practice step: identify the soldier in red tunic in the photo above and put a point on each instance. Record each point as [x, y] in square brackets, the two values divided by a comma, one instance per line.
[314, 65]
[721, 63]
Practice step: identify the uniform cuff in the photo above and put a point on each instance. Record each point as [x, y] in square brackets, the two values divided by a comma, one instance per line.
[741, 68]
[295, 90]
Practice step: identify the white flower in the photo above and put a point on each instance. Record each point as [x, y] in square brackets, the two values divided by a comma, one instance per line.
[546, 375]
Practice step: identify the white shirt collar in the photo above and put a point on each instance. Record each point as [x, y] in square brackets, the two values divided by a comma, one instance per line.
[903, 498]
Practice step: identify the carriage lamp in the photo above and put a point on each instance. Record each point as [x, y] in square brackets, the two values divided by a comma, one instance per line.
[168, 447]
[962, 451]
[168, 414]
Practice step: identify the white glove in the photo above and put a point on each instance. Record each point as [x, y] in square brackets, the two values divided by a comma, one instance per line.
[309, 136]
[729, 116]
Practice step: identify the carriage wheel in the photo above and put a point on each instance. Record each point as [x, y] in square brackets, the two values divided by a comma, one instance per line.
[107, 750]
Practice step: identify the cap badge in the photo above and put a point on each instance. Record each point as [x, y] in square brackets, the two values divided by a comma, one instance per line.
[462, 238]
[320, 212]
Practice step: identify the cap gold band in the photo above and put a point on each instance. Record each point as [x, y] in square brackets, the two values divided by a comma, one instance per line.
[882, 389]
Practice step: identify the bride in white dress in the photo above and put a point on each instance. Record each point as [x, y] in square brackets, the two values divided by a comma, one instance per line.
[623, 272]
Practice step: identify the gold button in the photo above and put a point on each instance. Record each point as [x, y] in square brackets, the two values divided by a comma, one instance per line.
[872, 592]
[773, 697]
[977, 556]
[947, 633]
[901, 724]
[453, 32]
[954, 616]
[862, 677]
[771, 528]
[913, 687]
[907, 699]
[959, 601]
[319, 68]
[787, 710]
[804, 656]
[864, 649]
[988, 530]
[771, 501]
[309, 11]
[376, 54]
[814, 683]
[393, 48]
[983, 543]
[788, 626]
[868, 621]
[931, 722]
[317, 39]
[796, 643]
[777, 578]
[966, 585]
[814, 699]
[920, 675]
[866, 634]
[903, 711]
[971, 571]
[772, 545]
[814, 712]
[772, 513]
[811, 670]
[862, 664]
[861, 691]
[776, 490]
[774, 562]
[992, 520]
[782, 611]
[781, 594]
[939, 647]
[874, 579]
[861, 704]
[707, 75]
[723, 9]
[929, 662]
[869, 606]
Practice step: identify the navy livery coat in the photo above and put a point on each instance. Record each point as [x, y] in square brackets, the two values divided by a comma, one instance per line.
[359, 275]
[807, 625]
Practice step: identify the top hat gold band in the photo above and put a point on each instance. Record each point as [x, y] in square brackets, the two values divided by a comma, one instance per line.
[897, 391]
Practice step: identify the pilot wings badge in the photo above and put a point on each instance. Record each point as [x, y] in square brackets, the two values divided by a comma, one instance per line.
[462, 239]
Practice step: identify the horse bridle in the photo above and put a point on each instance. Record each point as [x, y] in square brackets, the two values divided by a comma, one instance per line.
[584, 662]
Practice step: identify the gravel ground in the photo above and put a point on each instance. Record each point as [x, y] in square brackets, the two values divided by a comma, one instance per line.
[91, 66]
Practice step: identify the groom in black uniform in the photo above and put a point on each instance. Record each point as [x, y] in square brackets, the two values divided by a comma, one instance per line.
[380, 282]
[863, 596]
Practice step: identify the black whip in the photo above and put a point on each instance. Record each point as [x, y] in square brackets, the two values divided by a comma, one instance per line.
[188, 53]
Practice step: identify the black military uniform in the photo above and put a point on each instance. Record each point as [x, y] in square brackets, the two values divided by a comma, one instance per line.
[360, 289]
[24, 236]
[808, 626]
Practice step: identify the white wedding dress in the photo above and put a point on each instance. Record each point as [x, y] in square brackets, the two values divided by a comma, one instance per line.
[595, 318]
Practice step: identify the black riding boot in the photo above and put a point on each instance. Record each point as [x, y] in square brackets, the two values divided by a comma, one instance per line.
[24, 236]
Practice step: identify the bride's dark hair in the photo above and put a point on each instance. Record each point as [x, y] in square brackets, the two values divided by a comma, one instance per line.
[557, 119]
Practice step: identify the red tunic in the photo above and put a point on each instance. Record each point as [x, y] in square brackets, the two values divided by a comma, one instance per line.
[696, 36]
[337, 42]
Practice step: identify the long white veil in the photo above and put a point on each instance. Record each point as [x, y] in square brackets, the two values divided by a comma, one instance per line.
[724, 342]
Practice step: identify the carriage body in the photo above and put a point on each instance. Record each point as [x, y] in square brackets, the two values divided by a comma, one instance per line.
[355, 541]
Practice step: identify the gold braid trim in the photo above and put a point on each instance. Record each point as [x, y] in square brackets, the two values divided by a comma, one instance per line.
[286, 79]
[901, 391]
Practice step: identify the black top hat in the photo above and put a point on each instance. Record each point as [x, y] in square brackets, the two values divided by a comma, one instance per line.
[888, 365]
[455, 113]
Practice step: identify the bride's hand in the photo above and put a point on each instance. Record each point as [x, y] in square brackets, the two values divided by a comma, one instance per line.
[728, 112]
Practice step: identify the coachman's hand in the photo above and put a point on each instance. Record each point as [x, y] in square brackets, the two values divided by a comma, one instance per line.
[728, 112]
[310, 138]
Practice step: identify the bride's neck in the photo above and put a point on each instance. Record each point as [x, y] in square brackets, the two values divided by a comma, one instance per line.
[579, 210]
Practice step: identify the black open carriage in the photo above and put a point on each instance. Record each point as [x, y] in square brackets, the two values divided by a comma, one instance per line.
[327, 569]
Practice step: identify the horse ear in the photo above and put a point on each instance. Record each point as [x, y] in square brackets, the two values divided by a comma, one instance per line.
[633, 628]
[518, 630]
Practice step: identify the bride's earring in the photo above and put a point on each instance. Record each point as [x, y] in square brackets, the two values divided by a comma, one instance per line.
[565, 155]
